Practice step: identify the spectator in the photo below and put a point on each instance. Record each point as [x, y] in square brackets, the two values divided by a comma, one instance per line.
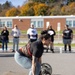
[52, 34]
[5, 38]
[30, 58]
[32, 33]
[67, 38]
[16, 34]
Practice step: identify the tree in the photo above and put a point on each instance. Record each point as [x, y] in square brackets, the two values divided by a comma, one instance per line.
[72, 8]
[65, 10]
[69, 1]
[27, 10]
[43, 1]
[0, 8]
[56, 10]
[13, 12]
[6, 5]
[40, 9]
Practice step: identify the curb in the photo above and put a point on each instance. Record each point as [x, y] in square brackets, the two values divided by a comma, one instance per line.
[6, 54]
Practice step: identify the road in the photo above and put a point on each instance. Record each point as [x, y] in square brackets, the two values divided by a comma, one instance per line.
[62, 63]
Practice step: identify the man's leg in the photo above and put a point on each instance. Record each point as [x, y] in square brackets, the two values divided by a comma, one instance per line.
[13, 45]
[65, 44]
[51, 47]
[69, 46]
[6, 45]
[65, 47]
[17, 43]
[3, 45]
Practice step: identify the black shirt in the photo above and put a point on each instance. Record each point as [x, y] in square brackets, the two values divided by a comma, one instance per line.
[37, 48]
[5, 34]
[52, 34]
[67, 34]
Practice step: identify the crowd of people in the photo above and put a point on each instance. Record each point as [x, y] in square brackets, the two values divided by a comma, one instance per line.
[67, 37]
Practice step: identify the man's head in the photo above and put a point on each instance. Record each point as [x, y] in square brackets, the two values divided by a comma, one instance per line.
[15, 26]
[32, 25]
[66, 26]
[5, 28]
[45, 37]
[49, 27]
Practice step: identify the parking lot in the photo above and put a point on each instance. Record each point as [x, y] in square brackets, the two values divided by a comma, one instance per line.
[62, 63]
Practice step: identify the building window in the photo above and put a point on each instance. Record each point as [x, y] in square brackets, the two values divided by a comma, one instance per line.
[34, 22]
[74, 23]
[69, 22]
[9, 24]
[38, 23]
[2, 23]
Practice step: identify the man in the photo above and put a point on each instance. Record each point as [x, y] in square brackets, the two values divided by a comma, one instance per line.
[32, 33]
[31, 57]
[16, 34]
[67, 38]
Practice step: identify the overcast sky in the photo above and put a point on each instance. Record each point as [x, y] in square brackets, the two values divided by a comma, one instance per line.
[14, 2]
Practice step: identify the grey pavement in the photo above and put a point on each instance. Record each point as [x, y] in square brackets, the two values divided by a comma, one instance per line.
[62, 63]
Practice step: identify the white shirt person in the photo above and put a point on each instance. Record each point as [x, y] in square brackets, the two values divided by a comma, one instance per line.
[32, 34]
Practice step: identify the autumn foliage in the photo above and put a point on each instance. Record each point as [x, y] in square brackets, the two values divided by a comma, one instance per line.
[37, 9]
[13, 12]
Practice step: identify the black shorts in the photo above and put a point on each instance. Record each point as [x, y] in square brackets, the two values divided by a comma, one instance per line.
[52, 39]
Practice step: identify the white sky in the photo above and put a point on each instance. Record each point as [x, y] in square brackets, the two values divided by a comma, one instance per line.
[14, 2]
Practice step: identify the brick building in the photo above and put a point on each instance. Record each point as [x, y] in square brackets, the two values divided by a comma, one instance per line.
[40, 22]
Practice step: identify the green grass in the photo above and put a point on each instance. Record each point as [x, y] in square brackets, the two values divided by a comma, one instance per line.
[60, 44]
[25, 32]
[56, 44]
[10, 43]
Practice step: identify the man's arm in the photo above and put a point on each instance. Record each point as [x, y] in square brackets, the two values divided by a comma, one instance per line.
[28, 36]
[34, 59]
[71, 35]
[33, 64]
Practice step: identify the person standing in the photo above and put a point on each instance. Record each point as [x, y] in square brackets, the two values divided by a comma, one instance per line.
[32, 33]
[5, 38]
[67, 36]
[31, 57]
[52, 33]
[16, 34]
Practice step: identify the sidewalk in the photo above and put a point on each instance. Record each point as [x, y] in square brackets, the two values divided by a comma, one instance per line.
[9, 52]
[57, 49]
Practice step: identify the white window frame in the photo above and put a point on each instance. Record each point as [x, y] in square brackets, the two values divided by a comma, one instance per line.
[70, 19]
[36, 22]
[6, 20]
[69, 23]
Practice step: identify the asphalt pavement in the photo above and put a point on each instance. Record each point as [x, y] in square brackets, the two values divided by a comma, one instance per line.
[62, 63]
